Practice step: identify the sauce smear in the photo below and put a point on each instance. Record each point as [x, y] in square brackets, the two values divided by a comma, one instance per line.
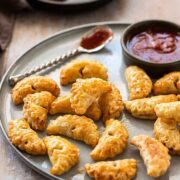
[156, 46]
[95, 39]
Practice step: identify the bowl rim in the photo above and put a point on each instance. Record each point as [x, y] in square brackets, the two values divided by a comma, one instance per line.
[137, 58]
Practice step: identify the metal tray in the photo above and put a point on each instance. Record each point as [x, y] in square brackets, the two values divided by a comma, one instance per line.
[111, 57]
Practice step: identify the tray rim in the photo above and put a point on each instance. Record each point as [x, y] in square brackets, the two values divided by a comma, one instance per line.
[16, 150]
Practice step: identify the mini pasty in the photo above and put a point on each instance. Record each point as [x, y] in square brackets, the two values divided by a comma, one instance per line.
[139, 83]
[36, 107]
[154, 154]
[111, 104]
[112, 170]
[85, 92]
[22, 136]
[31, 85]
[82, 69]
[113, 141]
[76, 127]
[167, 132]
[144, 108]
[178, 96]
[168, 84]
[62, 105]
[62, 154]
[169, 110]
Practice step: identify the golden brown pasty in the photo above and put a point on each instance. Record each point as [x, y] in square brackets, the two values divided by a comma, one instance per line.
[36, 107]
[154, 154]
[31, 85]
[62, 154]
[62, 105]
[113, 141]
[167, 132]
[178, 96]
[82, 69]
[169, 110]
[22, 136]
[112, 170]
[144, 108]
[168, 84]
[76, 127]
[85, 92]
[111, 104]
[139, 83]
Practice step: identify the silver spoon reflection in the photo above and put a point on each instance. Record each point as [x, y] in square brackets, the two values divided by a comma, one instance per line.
[93, 41]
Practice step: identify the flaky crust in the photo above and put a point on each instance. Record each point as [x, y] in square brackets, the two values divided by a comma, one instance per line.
[139, 83]
[111, 104]
[82, 69]
[62, 105]
[22, 136]
[76, 127]
[62, 154]
[144, 108]
[112, 170]
[31, 85]
[167, 132]
[36, 107]
[169, 110]
[113, 141]
[154, 154]
[84, 92]
[168, 84]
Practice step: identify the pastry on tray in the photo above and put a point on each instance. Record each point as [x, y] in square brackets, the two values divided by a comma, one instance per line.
[62, 154]
[169, 110]
[167, 132]
[139, 83]
[36, 107]
[111, 104]
[85, 92]
[62, 105]
[112, 170]
[77, 127]
[168, 84]
[26, 139]
[112, 142]
[82, 69]
[31, 85]
[144, 108]
[154, 154]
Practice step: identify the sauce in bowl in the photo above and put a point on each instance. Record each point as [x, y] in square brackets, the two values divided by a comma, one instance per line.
[156, 46]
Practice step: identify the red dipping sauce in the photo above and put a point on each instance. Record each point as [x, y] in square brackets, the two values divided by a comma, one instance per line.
[95, 39]
[156, 46]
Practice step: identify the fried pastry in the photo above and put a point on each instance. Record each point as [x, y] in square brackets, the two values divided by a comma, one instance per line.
[168, 84]
[23, 137]
[77, 127]
[113, 141]
[154, 154]
[62, 105]
[82, 69]
[36, 107]
[167, 132]
[169, 110]
[178, 96]
[111, 104]
[85, 92]
[31, 85]
[62, 154]
[112, 170]
[144, 108]
[139, 83]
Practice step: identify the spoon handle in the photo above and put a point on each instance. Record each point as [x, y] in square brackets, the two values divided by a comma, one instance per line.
[58, 60]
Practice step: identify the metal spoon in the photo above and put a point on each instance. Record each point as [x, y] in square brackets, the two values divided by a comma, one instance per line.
[61, 59]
